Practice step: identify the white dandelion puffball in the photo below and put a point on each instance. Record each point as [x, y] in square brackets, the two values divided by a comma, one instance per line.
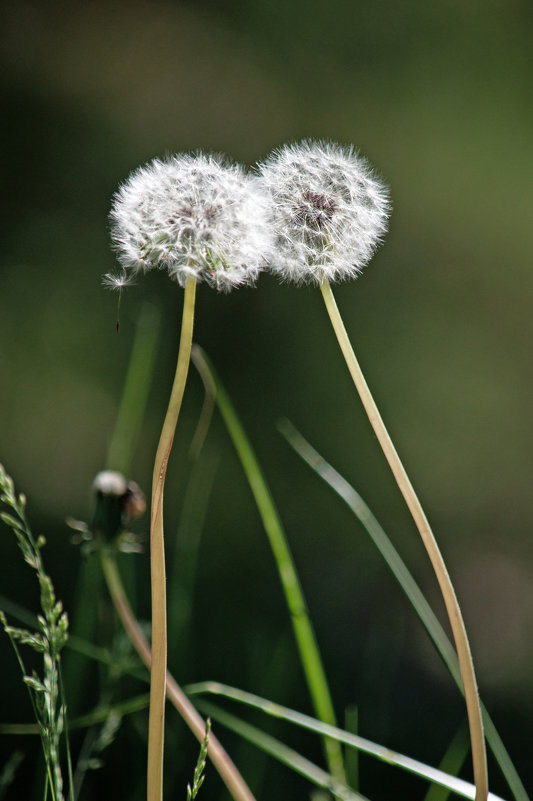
[328, 211]
[109, 482]
[193, 215]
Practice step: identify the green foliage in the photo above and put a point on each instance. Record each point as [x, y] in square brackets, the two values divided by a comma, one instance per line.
[49, 639]
[281, 752]
[7, 774]
[300, 764]
[408, 584]
[310, 657]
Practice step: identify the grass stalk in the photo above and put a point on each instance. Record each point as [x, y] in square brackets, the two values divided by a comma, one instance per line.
[156, 724]
[310, 657]
[283, 753]
[408, 584]
[452, 762]
[135, 392]
[229, 774]
[381, 752]
[479, 758]
[84, 616]
[183, 569]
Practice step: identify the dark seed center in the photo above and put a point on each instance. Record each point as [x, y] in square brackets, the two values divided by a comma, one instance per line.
[315, 210]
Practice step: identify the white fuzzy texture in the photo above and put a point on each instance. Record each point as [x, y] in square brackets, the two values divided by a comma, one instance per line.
[117, 282]
[109, 482]
[328, 211]
[193, 215]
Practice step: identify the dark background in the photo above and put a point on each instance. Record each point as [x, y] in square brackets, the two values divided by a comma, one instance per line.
[438, 97]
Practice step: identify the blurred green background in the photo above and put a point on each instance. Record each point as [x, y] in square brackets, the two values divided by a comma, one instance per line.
[438, 97]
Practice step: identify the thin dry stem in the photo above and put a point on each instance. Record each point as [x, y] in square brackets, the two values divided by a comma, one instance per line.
[227, 770]
[479, 758]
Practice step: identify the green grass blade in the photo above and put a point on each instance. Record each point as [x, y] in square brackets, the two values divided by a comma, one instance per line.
[303, 630]
[351, 756]
[280, 751]
[399, 569]
[98, 715]
[451, 762]
[382, 753]
[135, 392]
[123, 441]
[18, 612]
[9, 770]
[182, 574]
[380, 540]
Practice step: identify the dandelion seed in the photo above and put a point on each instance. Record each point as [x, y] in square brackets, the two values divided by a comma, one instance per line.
[328, 211]
[117, 282]
[195, 216]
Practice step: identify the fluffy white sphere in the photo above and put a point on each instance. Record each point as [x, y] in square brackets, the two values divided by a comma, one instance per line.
[109, 482]
[193, 215]
[328, 211]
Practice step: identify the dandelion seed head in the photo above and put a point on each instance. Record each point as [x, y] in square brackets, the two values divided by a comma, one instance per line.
[192, 215]
[327, 209]
[110, 482]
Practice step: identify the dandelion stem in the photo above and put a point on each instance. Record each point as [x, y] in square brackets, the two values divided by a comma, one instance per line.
[156, 723]
[479, 759]
[229, 774]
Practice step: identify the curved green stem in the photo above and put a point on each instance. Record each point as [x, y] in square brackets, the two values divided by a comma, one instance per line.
[229, 774]
[479, 758]
[156, 725]
[309, 652]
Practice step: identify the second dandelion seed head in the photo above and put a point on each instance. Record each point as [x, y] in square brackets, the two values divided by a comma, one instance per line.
[194, 216]
[327, 208]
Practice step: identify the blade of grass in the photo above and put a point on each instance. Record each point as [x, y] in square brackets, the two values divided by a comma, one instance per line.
[182, 574]
[84, 616]
[120, 452]
[351, 757]
[9, 770]
[380, 539]
[132, 408]
[98, 715]
[135, 392]
[78, 644]
[305, 637]
[399, 569]
[451, 762]
[229, 774]
[466, 664]
[384, 754]
[280, 751]
[187, 541]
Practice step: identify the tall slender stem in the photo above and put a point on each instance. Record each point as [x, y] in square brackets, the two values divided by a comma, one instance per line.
[479, 758]
[156, 725]
[229, 774]
[309, 652]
